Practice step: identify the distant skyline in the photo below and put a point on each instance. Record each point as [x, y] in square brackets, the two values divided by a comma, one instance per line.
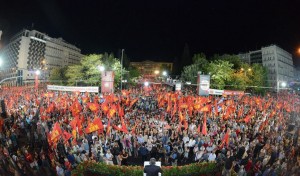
[159, 30]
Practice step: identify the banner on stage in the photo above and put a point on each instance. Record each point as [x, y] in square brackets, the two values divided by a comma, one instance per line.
[73, 88]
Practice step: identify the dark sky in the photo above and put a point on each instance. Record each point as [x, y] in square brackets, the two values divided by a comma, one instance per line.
[158, 30]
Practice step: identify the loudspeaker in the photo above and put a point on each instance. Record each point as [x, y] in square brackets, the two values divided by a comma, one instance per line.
[3, 109]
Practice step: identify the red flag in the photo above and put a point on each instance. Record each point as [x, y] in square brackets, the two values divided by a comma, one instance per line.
[133, 102]
[247, 118]
[263, 124]
[1, 124]
[181, 118]
[66, 136]
[73, 123]
[121, 111]
[93, 107]
[98, 122]
[56, 132]
[91, 128]
[185, 124]
[111, 112]
[225, 139]
[104, 107]
[108, 128]
[205, 108]
[204, 128]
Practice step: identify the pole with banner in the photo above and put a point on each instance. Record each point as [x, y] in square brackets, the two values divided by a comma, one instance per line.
[203, 83]
[36, 80]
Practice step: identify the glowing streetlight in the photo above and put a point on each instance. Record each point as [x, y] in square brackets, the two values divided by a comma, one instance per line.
[146, 84]
[283, 84]
[38, 72]
[164, 73]
[249, 69]
[101, 68]
[156, 72]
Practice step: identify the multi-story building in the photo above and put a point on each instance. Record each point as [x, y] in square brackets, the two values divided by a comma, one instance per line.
[151, 68]
[278, 62]
[30, 50]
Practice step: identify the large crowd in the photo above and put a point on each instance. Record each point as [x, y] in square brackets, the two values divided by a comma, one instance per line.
[46, 132]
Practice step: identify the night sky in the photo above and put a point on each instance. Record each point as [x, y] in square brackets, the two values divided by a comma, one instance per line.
[158, 30]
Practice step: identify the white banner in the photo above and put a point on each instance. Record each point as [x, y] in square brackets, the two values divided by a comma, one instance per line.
[178, 86]
[73, 88]
[216, 92]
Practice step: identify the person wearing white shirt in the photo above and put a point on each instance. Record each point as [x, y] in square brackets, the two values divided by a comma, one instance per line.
[199, 155]
[185, 139]
[192, 142]
[211, 157]
[108, 158]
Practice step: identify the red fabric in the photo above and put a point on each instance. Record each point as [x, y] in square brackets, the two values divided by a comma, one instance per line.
[204, 128]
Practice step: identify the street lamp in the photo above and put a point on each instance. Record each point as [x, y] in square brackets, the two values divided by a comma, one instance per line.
[156, 72]
[101, 68]
[243, 70]
[38, 72]
[283, 84]
[146, 84]
[164, 73]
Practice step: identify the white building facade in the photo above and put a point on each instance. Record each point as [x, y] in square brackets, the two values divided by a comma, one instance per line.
[30, 50]
[277, 61]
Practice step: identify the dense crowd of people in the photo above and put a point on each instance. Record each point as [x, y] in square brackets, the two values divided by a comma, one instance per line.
[50, 132]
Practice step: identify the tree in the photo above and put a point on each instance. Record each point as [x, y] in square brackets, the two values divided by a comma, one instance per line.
[259, 78]
[234, 59]
[220, 72]
[88, 73]
[238, 81]
[58, 75]
[190, 72]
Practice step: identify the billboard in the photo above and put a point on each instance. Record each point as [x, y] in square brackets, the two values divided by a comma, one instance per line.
[203, 83]
[107, 82]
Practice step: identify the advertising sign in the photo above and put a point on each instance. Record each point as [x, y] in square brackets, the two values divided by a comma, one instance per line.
[203, 84]
[107, 82]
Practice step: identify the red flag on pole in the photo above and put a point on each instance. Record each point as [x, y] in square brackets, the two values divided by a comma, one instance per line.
[225, 139]
[204, 128]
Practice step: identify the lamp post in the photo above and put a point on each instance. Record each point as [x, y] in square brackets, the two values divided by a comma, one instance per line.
[121, 69]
